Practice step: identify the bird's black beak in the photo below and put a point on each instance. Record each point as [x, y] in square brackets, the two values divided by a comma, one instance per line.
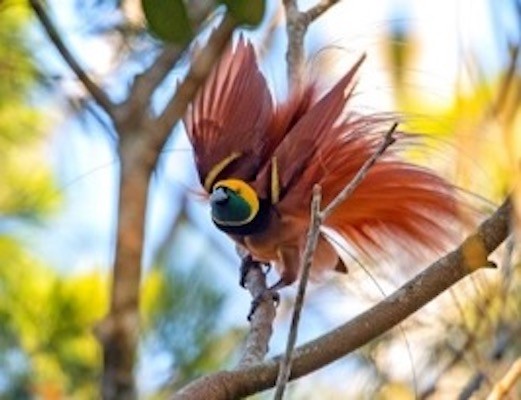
[219, 196]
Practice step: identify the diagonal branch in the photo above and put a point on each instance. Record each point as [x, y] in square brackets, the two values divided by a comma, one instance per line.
[97, 93]
[316, 11]
[470, 256]
[146, 83]
[507, 382]
[199, 70]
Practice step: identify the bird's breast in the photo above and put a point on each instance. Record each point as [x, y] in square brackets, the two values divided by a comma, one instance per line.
[281, 232]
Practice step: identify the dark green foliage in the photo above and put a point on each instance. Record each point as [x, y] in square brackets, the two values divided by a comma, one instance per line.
[168, 20]
[246, 12]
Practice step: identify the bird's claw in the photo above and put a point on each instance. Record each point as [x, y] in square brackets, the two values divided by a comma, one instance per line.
[268, 294]
[268, 268]
[246, 264]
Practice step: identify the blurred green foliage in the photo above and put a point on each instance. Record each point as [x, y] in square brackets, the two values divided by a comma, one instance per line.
[46, 321]
[45, 346]
[26, 187]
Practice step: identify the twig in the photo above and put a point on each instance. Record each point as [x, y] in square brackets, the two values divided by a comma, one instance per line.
[505, 338]
[316, 11]
[296, 29]
[360, 175]
[507, 382]
[146, 83]
[297, 24]
[199, 70]
[311, 244]
[97, 93]
[370, 324]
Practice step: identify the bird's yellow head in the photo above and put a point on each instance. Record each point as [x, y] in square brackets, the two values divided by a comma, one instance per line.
[234, 203]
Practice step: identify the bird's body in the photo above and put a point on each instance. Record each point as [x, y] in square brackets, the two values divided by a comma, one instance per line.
[259, 162]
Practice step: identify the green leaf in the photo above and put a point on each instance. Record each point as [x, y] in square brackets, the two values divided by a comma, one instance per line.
[247, 12]
[168, 20]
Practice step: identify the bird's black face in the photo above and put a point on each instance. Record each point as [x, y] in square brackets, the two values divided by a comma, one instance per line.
[236, 208]
[234, 203]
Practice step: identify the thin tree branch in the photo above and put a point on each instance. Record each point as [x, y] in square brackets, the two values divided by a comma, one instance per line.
[297, 23]
[507, 382]
[311, 245]
[96, 92]
[470, 256]
[316, 11]
[199, 70]
[296, 28]
[146, 83]
[505, 339]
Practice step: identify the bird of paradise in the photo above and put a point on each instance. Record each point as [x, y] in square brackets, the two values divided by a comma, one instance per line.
[258, 160]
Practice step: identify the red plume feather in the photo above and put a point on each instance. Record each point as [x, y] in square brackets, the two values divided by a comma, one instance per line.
[314, 141]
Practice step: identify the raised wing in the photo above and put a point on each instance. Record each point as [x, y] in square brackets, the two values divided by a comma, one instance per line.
[229, 117]
[300, 143]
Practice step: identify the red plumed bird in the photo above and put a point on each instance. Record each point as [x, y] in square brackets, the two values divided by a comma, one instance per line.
[259, 161]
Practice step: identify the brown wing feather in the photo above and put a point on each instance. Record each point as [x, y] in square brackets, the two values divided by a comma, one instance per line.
[298, 145]
[231, 114]
[396, 200]
[314, 142]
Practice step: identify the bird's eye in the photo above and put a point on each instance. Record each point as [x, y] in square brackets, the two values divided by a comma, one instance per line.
[220, 196]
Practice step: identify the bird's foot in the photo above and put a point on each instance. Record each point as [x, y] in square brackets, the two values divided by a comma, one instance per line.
[270, 294]
[247, 264]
